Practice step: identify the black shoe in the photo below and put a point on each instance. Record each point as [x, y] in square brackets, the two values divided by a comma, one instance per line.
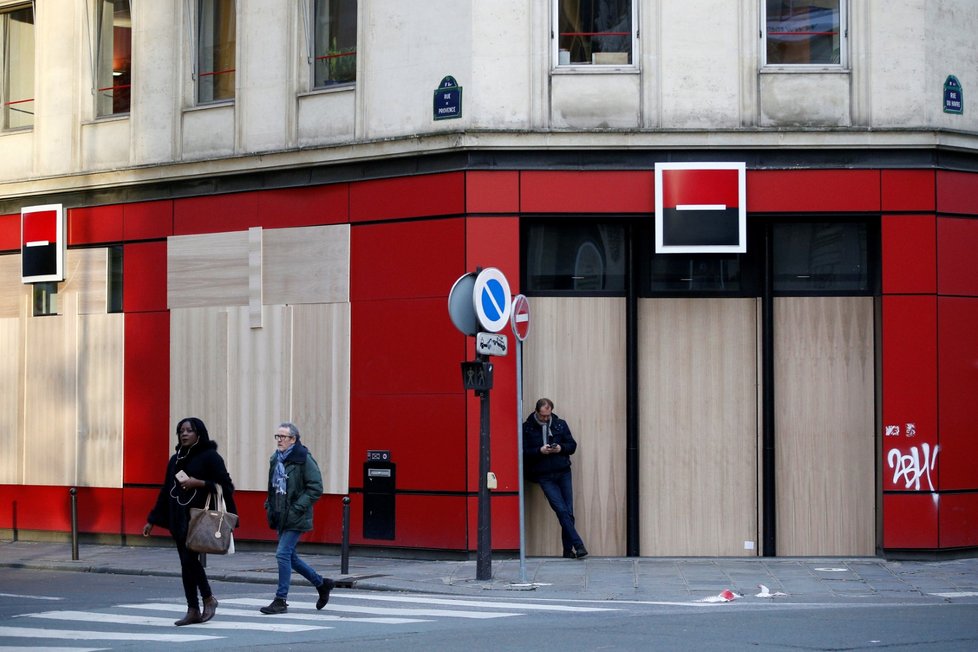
[581, 552]
[278, 606]
[569, 554]
[324, 589]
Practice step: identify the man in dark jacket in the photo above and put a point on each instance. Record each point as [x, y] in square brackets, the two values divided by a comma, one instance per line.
[547, 447]
[294, 485]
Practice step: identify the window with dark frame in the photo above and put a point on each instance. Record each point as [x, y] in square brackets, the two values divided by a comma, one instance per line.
[583, 257]
[216, 50]
[17, 66]
[595, 32]
[335, 42]
[114, 60]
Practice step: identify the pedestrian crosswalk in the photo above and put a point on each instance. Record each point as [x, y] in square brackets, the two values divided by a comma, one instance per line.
[130, 623]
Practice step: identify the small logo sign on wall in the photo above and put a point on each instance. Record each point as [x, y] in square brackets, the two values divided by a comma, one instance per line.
[700, 208]
[953, 96]
[448, 100]
[42, 243]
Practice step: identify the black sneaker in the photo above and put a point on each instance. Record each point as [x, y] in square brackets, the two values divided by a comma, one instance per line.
[581, 552]
[569, 554]
[278, 606]
[324, 589]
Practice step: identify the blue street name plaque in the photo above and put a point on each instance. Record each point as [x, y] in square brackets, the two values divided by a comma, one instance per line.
[953, 95]
[448, 100]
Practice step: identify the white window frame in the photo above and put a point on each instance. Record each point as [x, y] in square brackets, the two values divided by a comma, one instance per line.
[843, 64]
[194, 17]
[99, 51]
[309, 25]
[590, 67]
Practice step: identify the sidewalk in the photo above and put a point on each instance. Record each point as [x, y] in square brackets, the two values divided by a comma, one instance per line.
[802, 580]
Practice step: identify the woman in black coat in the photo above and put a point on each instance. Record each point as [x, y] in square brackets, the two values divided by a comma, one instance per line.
[197, 457]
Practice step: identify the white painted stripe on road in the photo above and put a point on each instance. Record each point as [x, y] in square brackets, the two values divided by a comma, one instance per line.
[957, 594]
[151, 621]
[383, 611]
[29, 597]
[474, 603]
[224, 611]
[82, 635]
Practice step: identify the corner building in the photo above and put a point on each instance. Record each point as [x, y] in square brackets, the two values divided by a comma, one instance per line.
[262, 219]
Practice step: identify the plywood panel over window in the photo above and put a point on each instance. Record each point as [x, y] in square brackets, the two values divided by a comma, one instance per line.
[321, 388]
[11, 400]
[575, 356]
[207, 270]
[199, 370]
[99, 399]
[824, 424]
[13, 293]
[86, 274]
[306, 265]
[699, 425]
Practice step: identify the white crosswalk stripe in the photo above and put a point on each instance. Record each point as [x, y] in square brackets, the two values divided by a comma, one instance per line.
[143, 621]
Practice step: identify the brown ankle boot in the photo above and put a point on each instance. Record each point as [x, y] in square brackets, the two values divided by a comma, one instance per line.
[210, 608]
[192, 617]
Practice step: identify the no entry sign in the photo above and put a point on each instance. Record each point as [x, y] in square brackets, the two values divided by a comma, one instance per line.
[520, 317]
[700, 208]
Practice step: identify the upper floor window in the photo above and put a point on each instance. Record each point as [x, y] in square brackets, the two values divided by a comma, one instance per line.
[114, 60]
[216, 45]
[594, 32]
[805, 32]
[334, 42]
[17, 61]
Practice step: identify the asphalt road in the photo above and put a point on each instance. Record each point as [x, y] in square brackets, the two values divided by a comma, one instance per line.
[98, 611]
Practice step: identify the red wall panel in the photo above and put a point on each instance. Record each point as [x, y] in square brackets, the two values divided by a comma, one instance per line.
[137, 503]
[147, 397]
[957, 333]
[215, 213]
[957, 242]
[909, 387]
[910, 521]
[147, 220]
[405, 347]
[420, 521]
[144, 277]
[95, 225]
[407, 260]
[504, 521]
[492, 192]
[424, 434]
[48, 508]
[909, 244]
[304, 206]
[10, 232]
[957, 192]
[959, 520]
[587, 192]
[813, 190]
[404, 197]
[908, 190]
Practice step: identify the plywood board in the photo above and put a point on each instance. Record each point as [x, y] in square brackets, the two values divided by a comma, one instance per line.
[13, 293]
[259, 368]
[199, 370]
[306, 265]
[699, 427]
[824, 424]
[86, 275]
[321, 388]
[100, 392]
[575, 356]
[49, 405]
[11, 400]
[207, 270]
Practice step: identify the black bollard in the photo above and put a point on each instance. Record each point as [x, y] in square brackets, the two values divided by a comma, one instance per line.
[345, 544]
[74, 523]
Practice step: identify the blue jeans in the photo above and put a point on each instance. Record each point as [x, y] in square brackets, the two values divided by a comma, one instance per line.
[559, 490]
[288, 560]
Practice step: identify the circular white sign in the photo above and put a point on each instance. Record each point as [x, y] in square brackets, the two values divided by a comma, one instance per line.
[520, 317]
[490, 296]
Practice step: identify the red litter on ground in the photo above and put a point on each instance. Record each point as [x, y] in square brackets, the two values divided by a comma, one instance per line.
[725, 596]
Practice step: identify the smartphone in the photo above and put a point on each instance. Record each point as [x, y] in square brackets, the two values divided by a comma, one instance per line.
[181, 476]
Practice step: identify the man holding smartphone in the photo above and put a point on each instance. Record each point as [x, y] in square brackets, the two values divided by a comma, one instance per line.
[547, 447]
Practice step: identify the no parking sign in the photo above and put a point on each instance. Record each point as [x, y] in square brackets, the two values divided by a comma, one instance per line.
[491, 298]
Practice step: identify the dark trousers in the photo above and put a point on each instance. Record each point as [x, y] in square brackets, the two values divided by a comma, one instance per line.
[193, 575]
[559, 490]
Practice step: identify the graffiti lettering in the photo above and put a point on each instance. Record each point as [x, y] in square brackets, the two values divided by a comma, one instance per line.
[910, 468]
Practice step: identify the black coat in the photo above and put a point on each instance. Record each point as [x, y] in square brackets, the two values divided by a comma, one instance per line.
[536, 463]
[172, 509]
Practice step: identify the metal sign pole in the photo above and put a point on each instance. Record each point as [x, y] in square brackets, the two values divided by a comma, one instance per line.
[483, 570]
[519, 454]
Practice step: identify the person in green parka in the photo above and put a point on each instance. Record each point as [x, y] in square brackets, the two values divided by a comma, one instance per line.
[295, 483]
